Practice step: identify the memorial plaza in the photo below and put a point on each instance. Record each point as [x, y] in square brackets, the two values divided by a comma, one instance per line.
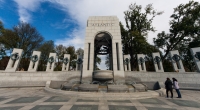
[37, 99]
[87, 88]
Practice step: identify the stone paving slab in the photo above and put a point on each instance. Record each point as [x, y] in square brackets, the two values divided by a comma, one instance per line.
[86, 100]
[38, 99]
[47, 107]
[120, 101]
[117, 107]
[2, 99]
[157, 108]
[11, 108]
[151, 101]
[57, 99]
[186, 103]
[84, 107]
[25, 100]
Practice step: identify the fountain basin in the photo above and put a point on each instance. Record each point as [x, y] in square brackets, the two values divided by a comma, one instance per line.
[103, 75]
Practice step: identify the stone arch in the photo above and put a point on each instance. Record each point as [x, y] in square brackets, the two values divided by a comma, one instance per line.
[103, 46]
[103, 32]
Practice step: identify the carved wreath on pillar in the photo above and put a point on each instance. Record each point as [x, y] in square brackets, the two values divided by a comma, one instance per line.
[157, 59]
[2, 53]
[197, 55]
[176, 57]
[14, 56]
[79, 61]
[141, 60]
[51, 59]
[126, 61]
[34, 58]
[65, 60]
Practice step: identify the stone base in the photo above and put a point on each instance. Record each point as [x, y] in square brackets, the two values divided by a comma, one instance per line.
[88, 87]
[117, 88]
[119, 80]
[56, 84]
[66, 86]
[139, 87]
[86, 80]
[150, 85]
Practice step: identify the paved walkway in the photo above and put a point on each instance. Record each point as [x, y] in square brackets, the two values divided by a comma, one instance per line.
[37, 99]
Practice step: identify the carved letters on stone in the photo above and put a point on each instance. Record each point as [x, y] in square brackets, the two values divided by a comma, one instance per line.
[103, 24]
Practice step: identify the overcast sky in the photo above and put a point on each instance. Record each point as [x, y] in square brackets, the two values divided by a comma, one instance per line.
[64, 21]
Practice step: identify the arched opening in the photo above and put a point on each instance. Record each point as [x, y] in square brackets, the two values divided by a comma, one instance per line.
[103, 50]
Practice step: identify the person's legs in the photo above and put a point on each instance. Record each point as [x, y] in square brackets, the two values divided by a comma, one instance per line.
[178, 92]
[171, 90]
[167, 92]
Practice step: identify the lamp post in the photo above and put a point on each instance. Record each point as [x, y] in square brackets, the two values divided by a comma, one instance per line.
[79, 62]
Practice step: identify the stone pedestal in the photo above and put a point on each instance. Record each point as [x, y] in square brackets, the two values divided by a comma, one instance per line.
[50, 66]
[177, 65]
[65, 67]
[127, 64]
[34, 65]
[196, 55]
[13, 64]
[141, 62]
[157, 62]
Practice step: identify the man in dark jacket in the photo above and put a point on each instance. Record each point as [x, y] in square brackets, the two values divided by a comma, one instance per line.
[168, 87]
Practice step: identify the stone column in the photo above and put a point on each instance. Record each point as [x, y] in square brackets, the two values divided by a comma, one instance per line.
[51, 62]
[118, 67]
[14, 60]
[176, 61]
[35, 58]
[196, 57]
[65, 65]
[157, 62]
[141, 62]
[88, 59]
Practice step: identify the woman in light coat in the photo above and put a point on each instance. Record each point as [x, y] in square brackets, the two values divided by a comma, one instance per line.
[176, 87]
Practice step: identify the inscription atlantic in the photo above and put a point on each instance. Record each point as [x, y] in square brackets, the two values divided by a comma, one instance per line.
[103, 24]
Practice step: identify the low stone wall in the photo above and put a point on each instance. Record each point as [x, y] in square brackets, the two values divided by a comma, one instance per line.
[151, 85]
[92, 93]
[186, 77]
[24, 78]
[187, 86]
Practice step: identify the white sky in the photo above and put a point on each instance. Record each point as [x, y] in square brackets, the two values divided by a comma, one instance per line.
[81, 10]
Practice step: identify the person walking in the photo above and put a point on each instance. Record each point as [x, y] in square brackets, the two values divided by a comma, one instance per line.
[168, 87]
[176, 87]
